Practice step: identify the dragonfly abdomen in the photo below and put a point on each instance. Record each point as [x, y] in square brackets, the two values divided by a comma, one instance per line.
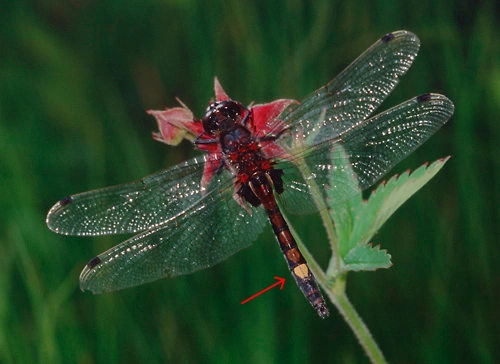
[260, 186]
[255, 177]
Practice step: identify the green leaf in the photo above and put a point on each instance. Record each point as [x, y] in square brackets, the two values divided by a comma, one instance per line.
[357, 220]
[367, 257]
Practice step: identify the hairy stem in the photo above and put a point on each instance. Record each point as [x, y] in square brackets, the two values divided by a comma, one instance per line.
[323, 211]
[335, 290]
[334, 282]
[339, 298]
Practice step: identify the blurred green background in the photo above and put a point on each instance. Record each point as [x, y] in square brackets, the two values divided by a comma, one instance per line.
[75, 80]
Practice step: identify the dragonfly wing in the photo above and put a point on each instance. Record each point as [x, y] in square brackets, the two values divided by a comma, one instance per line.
[386, 139]
[363, 153]
[355, 93]
[130, 207]
[207, 233]
[325, 168]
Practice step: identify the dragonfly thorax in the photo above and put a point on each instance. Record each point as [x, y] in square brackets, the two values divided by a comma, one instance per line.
[222, 115]
[237, 138]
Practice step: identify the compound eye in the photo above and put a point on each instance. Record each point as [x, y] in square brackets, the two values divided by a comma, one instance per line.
[210, 121]
[220, 115]
[230, 109]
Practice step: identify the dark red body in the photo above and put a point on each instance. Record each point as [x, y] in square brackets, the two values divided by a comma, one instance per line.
[255, 177]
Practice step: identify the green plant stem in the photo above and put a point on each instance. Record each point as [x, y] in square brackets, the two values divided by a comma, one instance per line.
[335, 290]
[338, 296]
[327, 221]
[334, 281]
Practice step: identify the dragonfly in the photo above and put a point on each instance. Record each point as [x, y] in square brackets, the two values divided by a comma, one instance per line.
[258, 161]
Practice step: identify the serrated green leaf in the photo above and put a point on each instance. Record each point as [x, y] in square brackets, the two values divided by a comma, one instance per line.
[357, 220]
[367, 257]
[388, 197]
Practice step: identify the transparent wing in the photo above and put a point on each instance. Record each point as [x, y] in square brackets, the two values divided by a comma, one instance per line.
[130, 207]
[206, 233]
[367, 152]
[353, 95]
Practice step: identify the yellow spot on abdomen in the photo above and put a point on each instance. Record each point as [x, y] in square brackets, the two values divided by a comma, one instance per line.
[301, 271]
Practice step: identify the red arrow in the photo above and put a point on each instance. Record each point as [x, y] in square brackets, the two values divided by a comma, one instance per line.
[280, 281]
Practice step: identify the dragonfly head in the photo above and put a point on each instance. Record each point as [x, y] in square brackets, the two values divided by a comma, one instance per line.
[221, 115]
